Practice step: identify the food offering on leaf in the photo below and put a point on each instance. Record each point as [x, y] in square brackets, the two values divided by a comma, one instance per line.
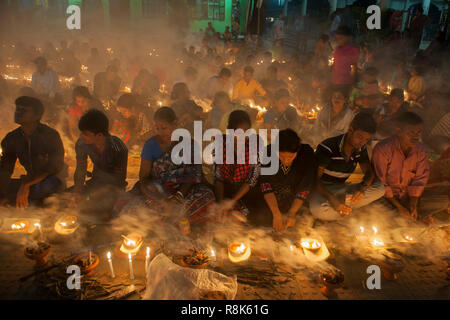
[195, 259]
[212, 295]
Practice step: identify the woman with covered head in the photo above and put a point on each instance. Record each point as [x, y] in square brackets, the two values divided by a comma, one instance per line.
[334, 118]
[286, 190]
[235, 179]
[163, 184]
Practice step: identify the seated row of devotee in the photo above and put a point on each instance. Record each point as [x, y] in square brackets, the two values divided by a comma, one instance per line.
[399, 171]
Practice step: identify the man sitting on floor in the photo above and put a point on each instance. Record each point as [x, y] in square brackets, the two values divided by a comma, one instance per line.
[40, 151]
[109, 156]
[337, 159]
[401, 163]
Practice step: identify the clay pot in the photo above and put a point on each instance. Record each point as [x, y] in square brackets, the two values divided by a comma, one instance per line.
[38, 254]
[392, 267]
[331, 282]
[82, 260]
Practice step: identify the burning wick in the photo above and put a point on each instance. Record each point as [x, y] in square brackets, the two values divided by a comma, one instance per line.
[408, 238]
[110, 265]
[147, 260]
[18, 226]
[130, 260]
[291, 247]
[311, 244]
[377, 242]
[375, 230]
[362, 229]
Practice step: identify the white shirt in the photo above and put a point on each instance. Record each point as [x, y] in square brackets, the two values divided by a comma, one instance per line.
[46, 83]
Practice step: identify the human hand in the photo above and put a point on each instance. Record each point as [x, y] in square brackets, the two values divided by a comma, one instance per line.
[340, 207]
[358, 196]
[22, 196]
[277, 223]
[290, 221]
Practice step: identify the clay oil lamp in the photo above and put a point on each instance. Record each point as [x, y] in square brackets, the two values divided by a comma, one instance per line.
[392, 265]
[131, 243]
[38, 253]
[314, 249]
[331, 281]
[312, 245]
[66, 225]
[238, 252]
[87, 263]
[21, 226]
[409, 238]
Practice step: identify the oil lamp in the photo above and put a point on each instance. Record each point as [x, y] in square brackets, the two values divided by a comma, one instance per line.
[238, 252]
[377, 242]
[131, 243]
[67, 225]
[311, 244]
[20, 226]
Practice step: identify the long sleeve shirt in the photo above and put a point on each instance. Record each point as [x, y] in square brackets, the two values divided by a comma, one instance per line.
[46, 83]
[110, 167]
[41, 152]
[246, 90]
[401, 174]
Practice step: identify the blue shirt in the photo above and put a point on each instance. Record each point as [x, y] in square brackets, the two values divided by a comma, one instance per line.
[151, 151]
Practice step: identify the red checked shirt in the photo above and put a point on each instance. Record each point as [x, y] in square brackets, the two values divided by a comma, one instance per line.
[401, 174]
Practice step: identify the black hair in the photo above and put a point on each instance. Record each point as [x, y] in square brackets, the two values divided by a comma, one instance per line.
[177, 88]
[364, 121]
[281, 93]
[342, 90]
[220, 95]
[397, 92]
[165, 114]
[249, 69]
[324, 37]
[33, 103]
[344, 31]
[238, 117]
[94, 121]
[289, 141]
[81, 91]
[371, 71]
[126, 100]
[225, 72]
[111, 68]
[408, 118]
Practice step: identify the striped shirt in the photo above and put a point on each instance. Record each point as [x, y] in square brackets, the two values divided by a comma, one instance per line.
[330, 154]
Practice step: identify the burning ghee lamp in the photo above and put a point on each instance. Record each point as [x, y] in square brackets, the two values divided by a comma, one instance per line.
[66, 225]
[20, 226]
[238, 252]
[409, 238]
[311, 244]
[131, 243]
[38, 253]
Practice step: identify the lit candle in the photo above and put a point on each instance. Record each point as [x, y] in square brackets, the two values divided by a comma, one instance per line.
[375, 230]
[130, 260]
[147, 260]
[110, 265]
[38, 225]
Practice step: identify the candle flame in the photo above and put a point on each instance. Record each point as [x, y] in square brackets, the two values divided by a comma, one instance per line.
[213, 254]
[129, 256]
[409, 238]
[377, 242]
[109, 255]
[241, 248]
[18, 226]
[311, 244]
[37, 224]
[362, 229]
[148, 252]
[375, 230]
[131, 243]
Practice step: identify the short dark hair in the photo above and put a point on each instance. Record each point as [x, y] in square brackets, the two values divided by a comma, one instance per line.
[289, 141]
[238, 117]
[33, 103]
[371, 71]
[165, 114]
[364, 121]
[249, 69]
[397, 92]
[111, 68]
[177, 88]
[344, 31]
[408, 118]
[325, 37]
[281, 93]
[94, 121]
[126, 100]
[81, 91]
[225, 72]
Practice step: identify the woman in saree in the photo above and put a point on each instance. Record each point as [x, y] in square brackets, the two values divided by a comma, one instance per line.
[166, 186]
